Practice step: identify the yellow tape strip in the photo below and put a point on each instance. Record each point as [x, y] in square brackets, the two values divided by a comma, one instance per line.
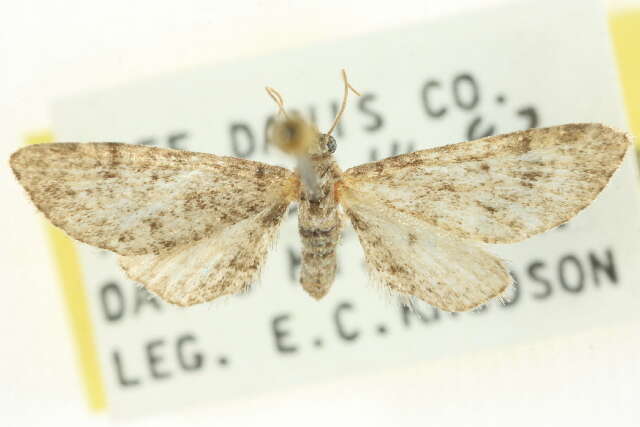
[625, 31]
[73, 288]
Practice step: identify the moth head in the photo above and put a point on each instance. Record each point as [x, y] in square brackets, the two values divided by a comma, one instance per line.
[327, 143]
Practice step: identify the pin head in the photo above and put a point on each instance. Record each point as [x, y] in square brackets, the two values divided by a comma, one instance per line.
[294, 135]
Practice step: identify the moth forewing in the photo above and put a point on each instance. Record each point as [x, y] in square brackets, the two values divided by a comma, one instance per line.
[500, 189]
[135, 200]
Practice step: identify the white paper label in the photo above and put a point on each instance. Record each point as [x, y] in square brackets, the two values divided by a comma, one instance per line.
[531, 64]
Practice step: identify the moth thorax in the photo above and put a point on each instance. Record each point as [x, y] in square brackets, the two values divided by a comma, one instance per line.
[294, 135]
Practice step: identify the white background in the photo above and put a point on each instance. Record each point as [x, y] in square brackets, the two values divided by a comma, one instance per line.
[51, 49]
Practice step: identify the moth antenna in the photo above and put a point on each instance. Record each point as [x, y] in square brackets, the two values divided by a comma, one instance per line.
[347, 86]
[277, 98]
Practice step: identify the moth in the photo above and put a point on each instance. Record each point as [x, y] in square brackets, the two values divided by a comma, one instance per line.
[192, 227]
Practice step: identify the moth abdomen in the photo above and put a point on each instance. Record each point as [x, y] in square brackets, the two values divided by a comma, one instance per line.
[319, 226]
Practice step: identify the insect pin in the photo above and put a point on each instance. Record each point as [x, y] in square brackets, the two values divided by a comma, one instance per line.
[192, 227]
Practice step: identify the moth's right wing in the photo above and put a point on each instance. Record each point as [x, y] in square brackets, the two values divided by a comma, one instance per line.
[137, 200]
[417, 214]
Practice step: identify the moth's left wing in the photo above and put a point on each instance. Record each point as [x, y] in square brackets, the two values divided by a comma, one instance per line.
[412, 257]
[136, 200]
[189, 226]
[500, 189]
[225, 263]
